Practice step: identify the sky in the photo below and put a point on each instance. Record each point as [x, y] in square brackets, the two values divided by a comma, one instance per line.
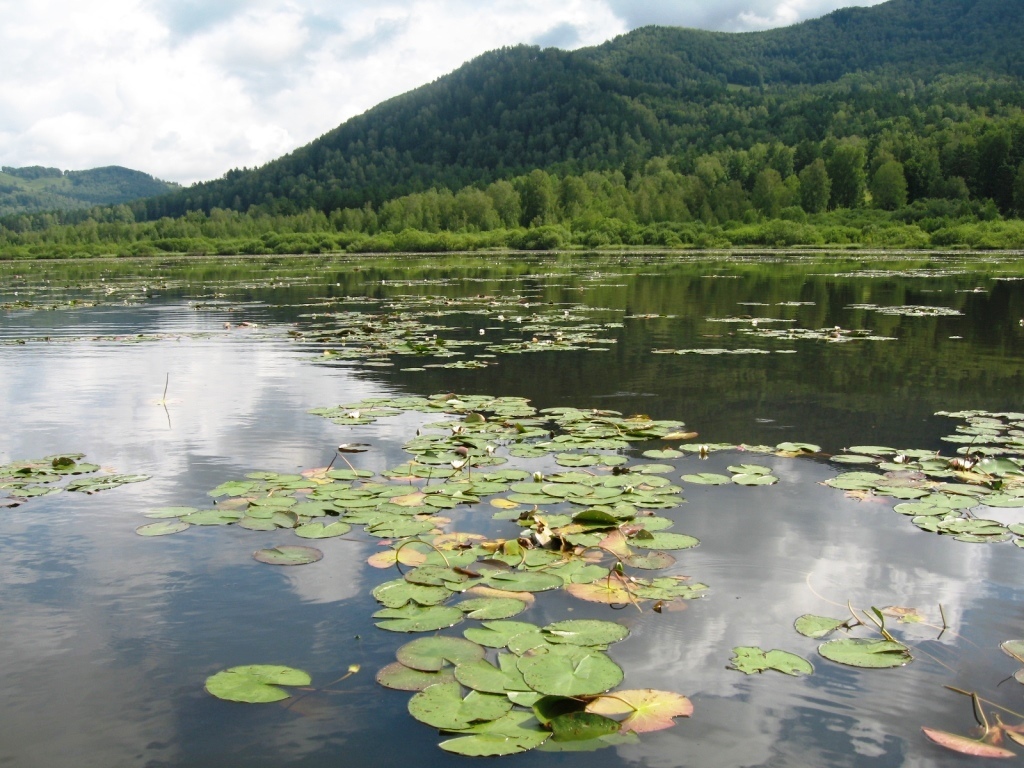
[185, 90]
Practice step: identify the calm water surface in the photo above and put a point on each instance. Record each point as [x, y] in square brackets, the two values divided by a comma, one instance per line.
[107, 637]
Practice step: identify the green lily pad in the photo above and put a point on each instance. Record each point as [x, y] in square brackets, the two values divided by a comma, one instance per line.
[509, 735]
[487, 608]
[402, 678]
[868, 653]
[663, 540]
[485, 677]
[496, 634]
[442, 706]
[255, 683]
[322, 530]
[519, 581]
[581, 726]
[572, 671]
[430, 654]
[752, 660]
[399, 592]
[752, 479]
[816, 627]
[288, 554]
[418, 618]
[585, 632]
[163, 528]
[707, 478]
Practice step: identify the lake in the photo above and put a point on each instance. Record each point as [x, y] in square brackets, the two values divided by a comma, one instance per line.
[194, 373]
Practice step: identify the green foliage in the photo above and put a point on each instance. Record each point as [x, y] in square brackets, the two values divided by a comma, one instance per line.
[34, 188]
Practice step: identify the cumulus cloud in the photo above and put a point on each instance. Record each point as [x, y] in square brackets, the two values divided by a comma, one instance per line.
[726, 15]
[186, 90]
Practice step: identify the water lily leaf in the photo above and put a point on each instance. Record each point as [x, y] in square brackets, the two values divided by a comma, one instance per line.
[322, 530]
[707, 478]
[430, 654]
[752, 479]
[1014, 648]
[491, 607]
[810, 625]
[168, 512]
[485, 677]
[399, 592]
[752, 660]
[663, 540]
[255, 683]
[788, 447]
[868, 653]
[749, 469]
[232, 488]
[607, 592]
[389, 557]
[288, 554]
[581, 726]
[257, 524]
[574, 672]
[442, 706]
[965, 745]
[402, 678]
[213, 517]
[647, 709]
[496, 634]
[511, 734]
[651, 561]
[668, 453]
[418, 618]
[163, 528]
[585, 632]
[519, 581]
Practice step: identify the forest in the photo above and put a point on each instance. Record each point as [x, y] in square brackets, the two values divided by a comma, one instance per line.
[899, 125]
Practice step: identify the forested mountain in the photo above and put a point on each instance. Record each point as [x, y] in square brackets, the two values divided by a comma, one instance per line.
[36, 188]
[900, 71]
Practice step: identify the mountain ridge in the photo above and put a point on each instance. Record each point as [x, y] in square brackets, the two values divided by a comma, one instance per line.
[31, 189]
[645, 94]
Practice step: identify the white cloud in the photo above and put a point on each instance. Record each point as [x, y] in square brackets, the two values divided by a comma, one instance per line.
[186, 90]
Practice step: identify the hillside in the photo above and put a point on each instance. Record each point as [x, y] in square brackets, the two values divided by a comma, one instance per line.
[35, 188]
[654, 92]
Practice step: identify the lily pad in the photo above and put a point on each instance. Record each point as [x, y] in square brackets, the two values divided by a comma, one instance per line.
[585, 632]
[866, 652]
[322, 530]
[751, 660]
[417, 618]
[288, 554]
[163, 528]
[573, 671]
[430, 654]
[816, 627]
[647, 709]
[403, 678]
[514, 733]
[255, 683]
[442, 706]
[491, 607]
[707, 478]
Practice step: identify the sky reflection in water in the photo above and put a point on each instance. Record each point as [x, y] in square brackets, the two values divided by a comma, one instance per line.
[111, 636]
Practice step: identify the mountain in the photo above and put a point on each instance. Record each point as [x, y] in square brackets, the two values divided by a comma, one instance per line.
[909, 65]
[36, 188]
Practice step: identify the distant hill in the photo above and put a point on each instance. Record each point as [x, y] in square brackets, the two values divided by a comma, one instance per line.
[903, 65]
[35, 188]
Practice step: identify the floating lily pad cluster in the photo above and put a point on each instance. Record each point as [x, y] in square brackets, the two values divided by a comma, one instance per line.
[24, 480]
[413, 327]
[910, 310]
[977, 496]
[509, 686]
[834, 334]
[743, 474]
[720, 351]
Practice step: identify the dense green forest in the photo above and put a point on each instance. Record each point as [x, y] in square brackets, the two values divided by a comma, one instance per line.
[899, 125]
[35, 188]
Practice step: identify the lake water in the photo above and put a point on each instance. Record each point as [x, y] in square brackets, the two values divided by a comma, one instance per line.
[108, 636]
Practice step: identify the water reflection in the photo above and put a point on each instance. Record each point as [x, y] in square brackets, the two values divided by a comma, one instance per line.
[112, 635]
